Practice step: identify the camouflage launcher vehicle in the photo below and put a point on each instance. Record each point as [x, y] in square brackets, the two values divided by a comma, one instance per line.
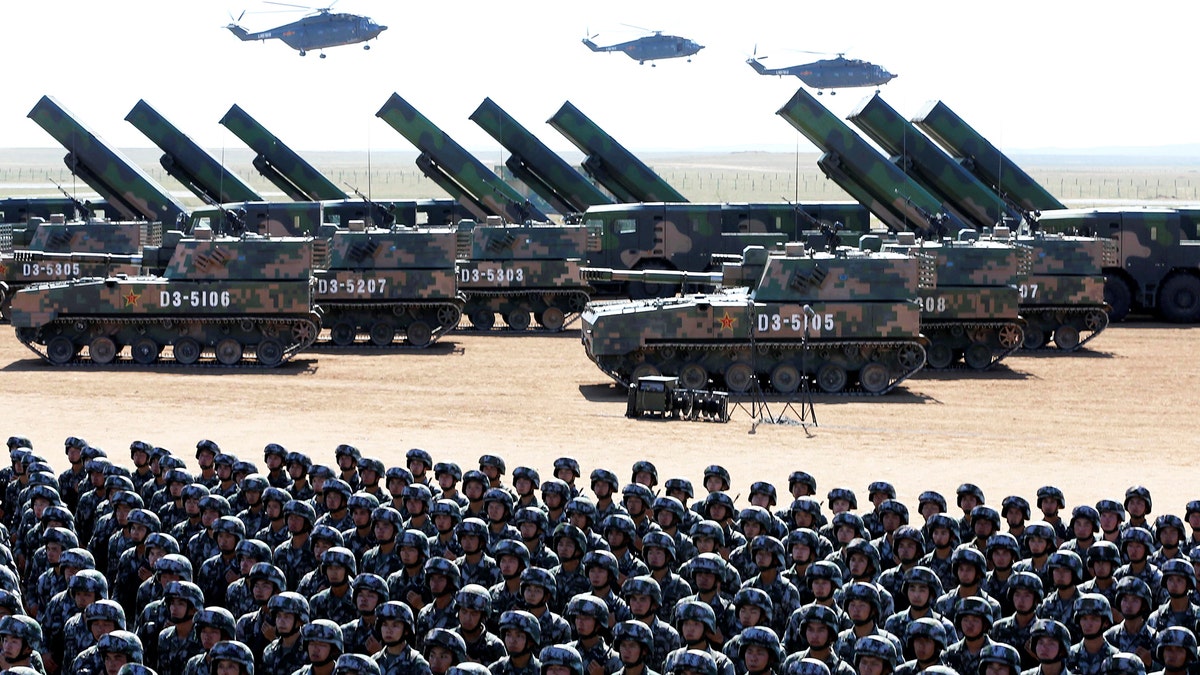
[843, 321]
[518, 270]
[1062, 297]
[81, 249]
[381, 285]
[218, 299]
[971, 316]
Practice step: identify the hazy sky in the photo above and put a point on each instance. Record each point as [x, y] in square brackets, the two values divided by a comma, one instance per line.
[1029, 75]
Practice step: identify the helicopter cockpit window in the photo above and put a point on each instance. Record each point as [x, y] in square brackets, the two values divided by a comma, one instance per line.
[626, 225]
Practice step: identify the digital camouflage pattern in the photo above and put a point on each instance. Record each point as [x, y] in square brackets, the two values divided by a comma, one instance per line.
[274, 219]
[122, 183]
[844, 321]
[187, 162]
[607, 161]
[279, 163]
[971, 315]
[218, 298]
[1155, 259]
[454, 169]
[380, 285]
[930, 166]
[977, 154]
[536, 165]
[687, 236]
[517, 270]
[16, 210]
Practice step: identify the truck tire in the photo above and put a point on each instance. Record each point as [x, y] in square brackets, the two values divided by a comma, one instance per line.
[1179, 299]
[1118, 297]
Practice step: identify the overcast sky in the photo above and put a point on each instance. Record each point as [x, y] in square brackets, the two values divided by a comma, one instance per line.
[1029, 75]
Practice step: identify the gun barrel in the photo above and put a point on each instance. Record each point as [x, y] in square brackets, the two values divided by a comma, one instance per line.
[651, 276]
[109, 172]
[77, 257]
[609, 162]
[472, 180]
[279, 163]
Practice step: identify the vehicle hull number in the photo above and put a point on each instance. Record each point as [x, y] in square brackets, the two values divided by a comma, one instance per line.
[491, 275]
[351, 286]
[50, 269]
[193, 299]
[773, 323]
[932, 304]
[1028, 291]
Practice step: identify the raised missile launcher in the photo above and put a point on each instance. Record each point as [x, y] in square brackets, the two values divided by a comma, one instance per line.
[380, 285]
[843, 321]
[517, 270]
[218, 299]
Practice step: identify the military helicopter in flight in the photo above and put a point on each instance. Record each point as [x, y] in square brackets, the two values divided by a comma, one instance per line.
[836, 73]
[650, 47]
[319, 30]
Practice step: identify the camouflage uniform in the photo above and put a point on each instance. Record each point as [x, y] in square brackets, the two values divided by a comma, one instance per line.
[272, 538]
[249, 631]
[377, 562]
[314, 582]
[503, 599]
[555, 629]
[254, 520]
[355, 635]
[1164, 618]
[401, 584]
[1081, 662]
[666, 640]
[295, 562]
[674, 589]
[201, 547]
[238, 598]
[785, 599]
[1124, 641]
[184, 530]
[724, 665]
[445, 548]
[486, 649]
[174, 650]
[326, 605]
[407, 662]
[345, 522]
[486, 572]
[211, 578]
[603, 654]
[431, 616]
[198, 665]
[279, 659]
[570, 584]
[544, 558]
[1012, 634]
[88, 661]
[960, 658]
[835, 664]
[1062, 611]
[76, 636]
[505, 667]
[359, 544]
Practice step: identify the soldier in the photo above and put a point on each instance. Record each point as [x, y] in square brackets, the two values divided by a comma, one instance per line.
[58, 540]
[874, 655]
[474, 611]
[253, 515]
[522, 636]
[1136, 545]
[396, 479]
[638, 501]
[101, 618]
[397, 657]
[420, 463]
[645, 603]
[533, 525]
[335, 603]
[1134, 604]
[289, 614]
[408, 583]
[1192, 516]
[213, 625]
[659, 552]
[239, 596]
[861, 603]
[295, 556]
[1112, 519]
[275, 459]
[1175, 648]
[347, 457]
[512, 558]
[184, 523]
[1049, 500]
[254, 627]
[1025, 595]
[819, 627]
[984, 523]
[493, 467]
[444, 649]
[418, 500]
[442, 580]
[1050, 643]
[769, 559]
[907, 546]
[924, 642]
[892, 516]
[751, 607]
[155, 615]
[968, 496]
[83, 588]
[1015, 511]
[206, 455]
[21, 641]
[567, 470]
[600, 568]
[589, 619]
[1168, 535]
[323, 644]
[941, 535]
[707, 572]
[448, 476]
[537, 594]
[118, 649]
[475, 565]
[919, 589]
[525, 481]
[227, 485]
[973, 620]
[1177, 609]
[360, 635]
[221, 570]
[498, 509]
[877, 493]
[229, 657]
[335, 496]
[970, 570]
[999, 658]
[133, 566]
[84, 630]
[298, 465]
[634, 644]
[69, 480]
[474, 488]
[176, 642]
[1103, 559]
[1138, 505]
[644, 473]
[680, 489]
[143, 473]
[203, 544]
[1092, 617]
[382, 558]
[604, 485]
[360, 538]
[764, 495]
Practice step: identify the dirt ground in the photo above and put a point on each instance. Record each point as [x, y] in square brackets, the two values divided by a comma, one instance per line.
[1092, 423]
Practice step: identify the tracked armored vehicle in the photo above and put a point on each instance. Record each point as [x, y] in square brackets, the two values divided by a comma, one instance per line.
[516, 271]
[843, 321]
[382, 285]
[223, 301]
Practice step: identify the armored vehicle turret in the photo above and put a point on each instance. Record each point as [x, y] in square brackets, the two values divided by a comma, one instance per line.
[218, 298]
[379, 285]
[516, 271]
[844, 321]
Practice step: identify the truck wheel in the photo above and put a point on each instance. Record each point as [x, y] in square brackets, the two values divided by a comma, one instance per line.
[1179, 299]
[1118, 297]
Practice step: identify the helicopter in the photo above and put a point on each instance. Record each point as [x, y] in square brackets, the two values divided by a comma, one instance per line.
[323, 28]
[650, 47]
[835, 73]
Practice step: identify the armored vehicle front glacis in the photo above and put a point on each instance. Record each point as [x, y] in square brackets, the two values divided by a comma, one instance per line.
[972, 315]
[845, 321]
[516, 270]
[218, 298]
[380, 285]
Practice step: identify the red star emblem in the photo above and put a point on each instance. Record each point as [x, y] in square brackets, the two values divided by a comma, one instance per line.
[131, 298]
[3, 270]
[727, 322]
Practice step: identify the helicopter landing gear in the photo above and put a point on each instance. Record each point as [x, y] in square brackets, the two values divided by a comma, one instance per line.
[322, 54]
[367, 48]
[653, 65]
[303, 53]
[832, 93]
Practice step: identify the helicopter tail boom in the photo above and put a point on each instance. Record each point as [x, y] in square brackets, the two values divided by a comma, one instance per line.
[593, 46]
[240, 32]
[757, 66]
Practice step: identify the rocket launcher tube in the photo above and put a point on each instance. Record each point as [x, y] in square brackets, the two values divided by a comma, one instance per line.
[279, 163]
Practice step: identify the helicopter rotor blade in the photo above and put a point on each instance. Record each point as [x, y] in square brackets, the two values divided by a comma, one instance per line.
[287, 4]
[629, 25]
